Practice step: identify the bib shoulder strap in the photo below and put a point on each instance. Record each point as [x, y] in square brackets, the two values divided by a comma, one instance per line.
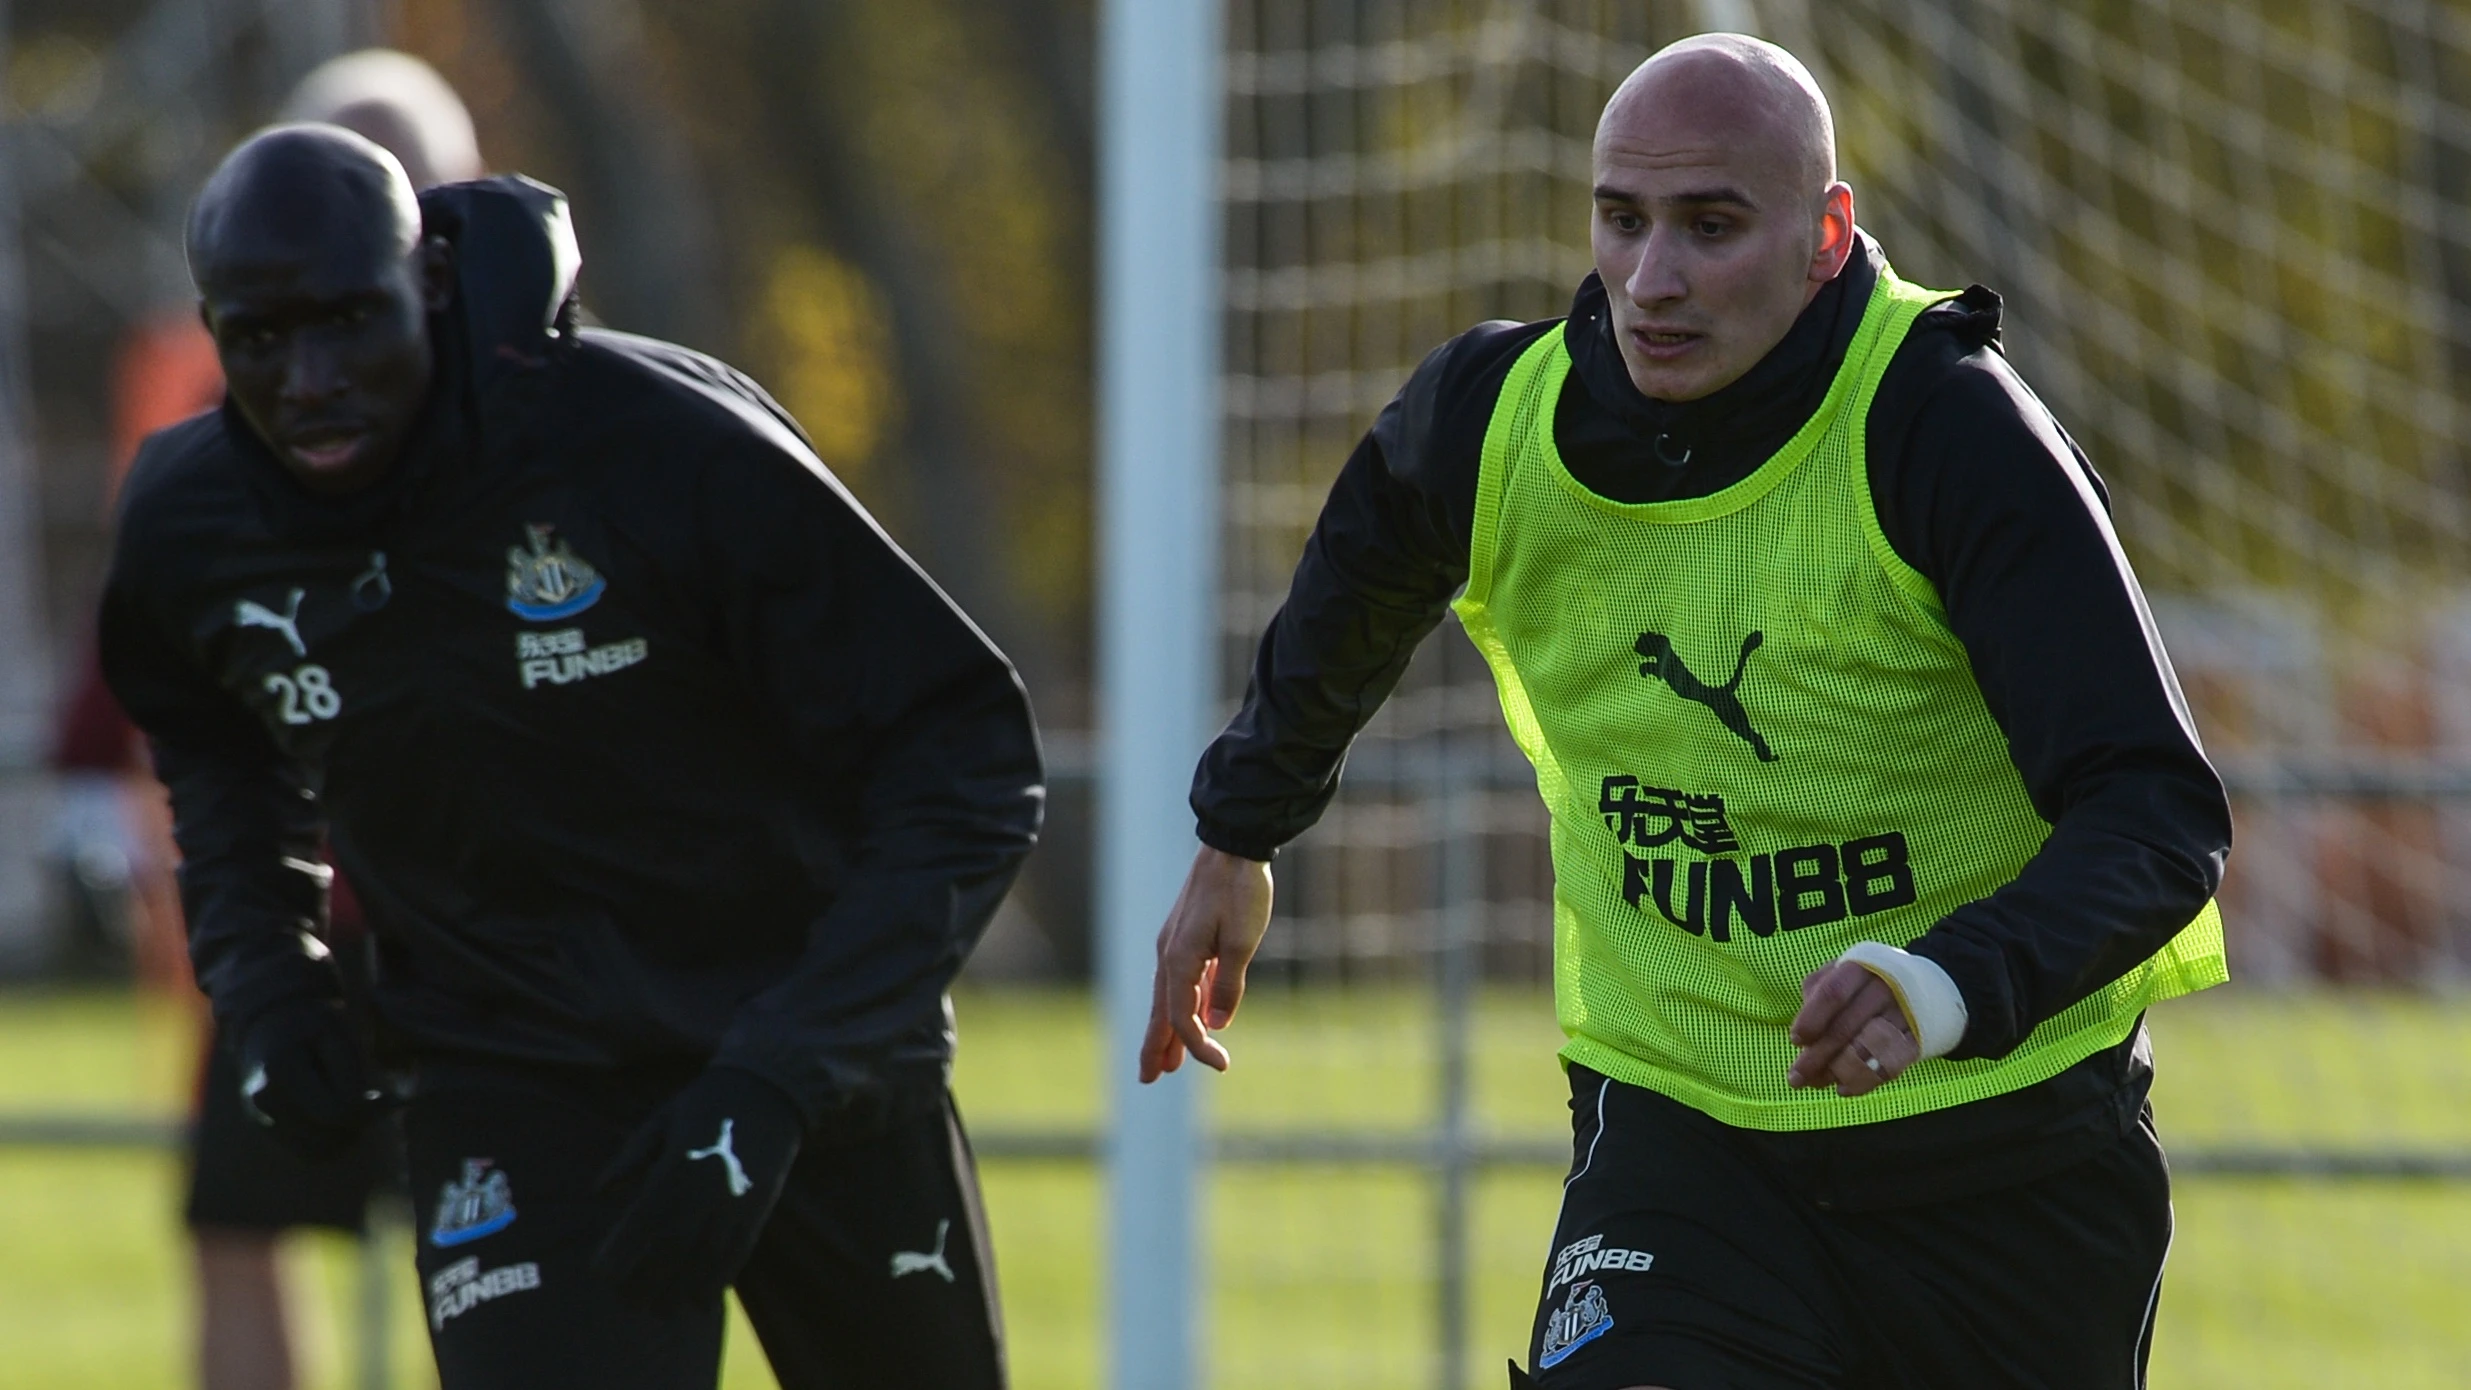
[1522, 410]
[1897, 304]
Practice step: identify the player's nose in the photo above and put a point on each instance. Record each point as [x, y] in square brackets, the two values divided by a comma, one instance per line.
[1656, 277]
[313, 374]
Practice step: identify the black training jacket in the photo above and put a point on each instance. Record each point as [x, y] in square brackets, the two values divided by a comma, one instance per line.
[1977, 487]
[640, 742]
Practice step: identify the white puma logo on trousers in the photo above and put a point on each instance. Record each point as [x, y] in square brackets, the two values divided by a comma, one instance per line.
[250, 613]
[720, 1149]
[915, 1262]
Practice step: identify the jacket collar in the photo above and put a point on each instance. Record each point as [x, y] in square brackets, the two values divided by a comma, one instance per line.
[1768, 402]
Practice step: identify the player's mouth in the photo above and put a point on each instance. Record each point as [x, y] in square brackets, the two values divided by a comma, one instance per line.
[1664, 344]
[325, 450]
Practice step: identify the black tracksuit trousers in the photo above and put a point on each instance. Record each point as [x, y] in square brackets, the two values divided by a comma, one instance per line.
[1686, 1258]
[874, 1268]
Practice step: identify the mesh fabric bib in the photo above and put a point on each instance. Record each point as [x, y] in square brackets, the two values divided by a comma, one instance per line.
[1760, 743]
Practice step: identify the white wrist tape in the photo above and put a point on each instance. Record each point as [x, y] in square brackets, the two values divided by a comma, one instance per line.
[1934, 1009]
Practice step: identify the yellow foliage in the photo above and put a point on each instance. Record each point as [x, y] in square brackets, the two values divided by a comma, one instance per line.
[830, 343]
[951, 134]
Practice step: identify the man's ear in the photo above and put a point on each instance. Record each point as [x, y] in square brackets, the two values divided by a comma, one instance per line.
[1835, 234]
[437, 273]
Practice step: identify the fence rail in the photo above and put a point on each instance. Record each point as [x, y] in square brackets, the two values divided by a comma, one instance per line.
[1359, 1148]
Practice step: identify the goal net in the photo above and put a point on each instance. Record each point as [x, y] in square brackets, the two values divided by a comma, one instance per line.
[2233, 244]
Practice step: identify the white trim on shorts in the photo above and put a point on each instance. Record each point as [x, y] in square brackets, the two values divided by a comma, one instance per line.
[1603, 1085]
[1559, 1212]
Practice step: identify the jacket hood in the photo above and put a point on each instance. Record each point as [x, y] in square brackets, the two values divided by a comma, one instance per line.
[516, 265]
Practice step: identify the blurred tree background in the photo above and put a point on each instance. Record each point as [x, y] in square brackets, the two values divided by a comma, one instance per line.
[880, 210]
[2231, 237]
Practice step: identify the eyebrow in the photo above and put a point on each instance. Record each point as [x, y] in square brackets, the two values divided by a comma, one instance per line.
[1606, 193]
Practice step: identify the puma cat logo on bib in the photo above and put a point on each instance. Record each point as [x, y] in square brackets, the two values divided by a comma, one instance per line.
[1665, 664]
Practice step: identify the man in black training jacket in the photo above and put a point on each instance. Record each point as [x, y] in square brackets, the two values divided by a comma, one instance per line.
[1878, 816]
[676, 793]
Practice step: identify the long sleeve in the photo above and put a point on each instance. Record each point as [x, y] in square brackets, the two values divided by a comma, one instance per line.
[1992, 502]
[251, 883]
[1386, 554]
[887, 691]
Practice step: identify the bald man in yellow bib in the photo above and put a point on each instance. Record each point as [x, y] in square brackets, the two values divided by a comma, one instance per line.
[1878, 819]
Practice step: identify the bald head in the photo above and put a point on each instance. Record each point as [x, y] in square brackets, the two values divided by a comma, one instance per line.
[1718, 213]
[401, 103]
[1747, 90]
[297, 188]
[314, 278]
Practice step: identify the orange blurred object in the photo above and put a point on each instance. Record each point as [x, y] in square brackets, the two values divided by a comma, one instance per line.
[166, 372]
[2381, 863]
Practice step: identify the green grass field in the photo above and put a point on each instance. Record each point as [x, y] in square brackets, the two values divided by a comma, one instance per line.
[1320, 1277]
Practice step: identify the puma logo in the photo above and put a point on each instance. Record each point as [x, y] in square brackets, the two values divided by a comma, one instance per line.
[250, 613]
[921, 1262]
[738, 1184]
[1663, 663]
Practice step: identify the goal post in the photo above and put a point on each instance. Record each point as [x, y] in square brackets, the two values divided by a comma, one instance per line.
[1158, 529]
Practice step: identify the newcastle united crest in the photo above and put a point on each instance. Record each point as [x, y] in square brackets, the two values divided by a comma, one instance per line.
[1582, 1318]
[481, 1205]
[549, 581]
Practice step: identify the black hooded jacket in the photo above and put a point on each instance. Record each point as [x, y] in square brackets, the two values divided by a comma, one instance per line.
[640, 742]
[1977, 487]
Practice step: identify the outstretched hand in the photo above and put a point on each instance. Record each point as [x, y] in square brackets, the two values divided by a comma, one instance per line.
[1851, 1031]
[1208, 942]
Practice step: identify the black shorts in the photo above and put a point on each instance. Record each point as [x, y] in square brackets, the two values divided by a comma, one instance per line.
[517, 1305]
[1683, 1258]
[241, 1178]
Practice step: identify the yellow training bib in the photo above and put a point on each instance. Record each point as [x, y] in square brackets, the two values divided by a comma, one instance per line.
[1760, 743]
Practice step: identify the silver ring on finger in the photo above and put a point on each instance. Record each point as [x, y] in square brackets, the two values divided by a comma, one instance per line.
[1864, 1053]
[1892, 1037]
